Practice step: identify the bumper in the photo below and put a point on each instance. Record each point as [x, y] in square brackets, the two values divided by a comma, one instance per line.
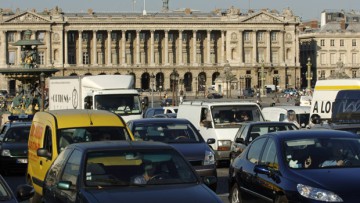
[14, 164]
[203, 171]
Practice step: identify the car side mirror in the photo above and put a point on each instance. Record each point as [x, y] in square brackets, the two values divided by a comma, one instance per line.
[240, 140]
[207, 124]
[24, 192]
[211, 141]
[41, 152]
[64, 185]
[209, 180]
[262, 169]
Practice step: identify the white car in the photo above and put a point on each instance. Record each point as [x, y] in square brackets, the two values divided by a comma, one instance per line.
[305, 100]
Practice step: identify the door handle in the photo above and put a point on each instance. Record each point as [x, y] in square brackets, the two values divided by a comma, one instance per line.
[41, 163]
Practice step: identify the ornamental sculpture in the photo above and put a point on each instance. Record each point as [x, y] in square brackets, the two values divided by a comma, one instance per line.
[29, 53]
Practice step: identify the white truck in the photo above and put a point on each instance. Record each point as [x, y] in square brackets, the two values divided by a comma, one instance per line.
[114, 93]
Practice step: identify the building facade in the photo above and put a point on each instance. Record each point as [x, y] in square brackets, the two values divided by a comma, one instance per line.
[197, 45]
[336, 42]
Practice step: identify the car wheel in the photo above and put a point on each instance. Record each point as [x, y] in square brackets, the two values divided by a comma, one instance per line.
[235, 194]
[36, 198]
[281, 199]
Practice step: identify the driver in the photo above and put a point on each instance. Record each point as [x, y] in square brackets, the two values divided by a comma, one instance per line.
[149, 172]
[337, 158]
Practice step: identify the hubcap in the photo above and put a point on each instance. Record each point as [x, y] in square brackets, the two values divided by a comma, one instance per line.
[235, 196]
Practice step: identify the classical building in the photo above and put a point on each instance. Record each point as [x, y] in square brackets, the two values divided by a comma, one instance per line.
[196, 44]
[336, 41]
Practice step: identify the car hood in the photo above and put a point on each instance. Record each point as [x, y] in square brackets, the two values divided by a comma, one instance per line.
[14, 146]
[341, 181]
[191, 151]
[227, 133]
[167, 193]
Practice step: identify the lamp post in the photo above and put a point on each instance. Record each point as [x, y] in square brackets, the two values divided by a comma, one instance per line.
[42, 83]
[309, 74]
[174, 77]
[227, 71]
[262, 78]
[160, 84]
[196, 85]
[152, 89]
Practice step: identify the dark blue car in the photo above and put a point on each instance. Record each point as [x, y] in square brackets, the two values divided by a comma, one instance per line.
[298, 166]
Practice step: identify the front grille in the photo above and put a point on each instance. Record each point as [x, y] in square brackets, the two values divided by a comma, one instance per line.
[19, 152]
[196, 163]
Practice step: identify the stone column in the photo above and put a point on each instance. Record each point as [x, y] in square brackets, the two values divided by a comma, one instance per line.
[180, 61]
[222, 54]
[268, 47]
[60, 60]
[48, 48]
[123, 47]
[208, 49]
[80, 60]
[166, 47]
[3, 49]
[282, 47]
[109, 62]
[254, 47]
[138, 46]
[94, 58]
[66, 52]
[241, 47]
[152, 50]
[297, 48]
[194, 48]
[18, 57]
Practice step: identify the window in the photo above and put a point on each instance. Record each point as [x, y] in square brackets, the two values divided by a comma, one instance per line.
[322, 74]
[85, 36]
[246, 36]
[41, 59]
[71, 173]
[185, 37]
[71, 37]
[142, 36]
[99, 37]
[342, 57]
[332, 59]
[12, 57]
[47, 144]
[260, 36]
[248, 72]
[113, 36]
[72, 59]
[171, 37]
[85, 58]
[274, 57]
[354, 42]
[129, 36]
[353, 73]
[198, 36]
[341, 42]
[273, 36]
[55, 169]
[322, 59]
[40, 36]
[322, 42]
[332, 42]
[255, 150]
[247, 56]
[212, 36]
[157, 37]
[269, 157]
[354, 60]
[11, 37]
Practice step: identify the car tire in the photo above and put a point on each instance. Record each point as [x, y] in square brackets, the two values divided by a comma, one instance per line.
[235, 195]
[36, 198]
[281, 199]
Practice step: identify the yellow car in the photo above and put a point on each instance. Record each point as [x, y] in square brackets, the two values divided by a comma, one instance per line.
[52, 131]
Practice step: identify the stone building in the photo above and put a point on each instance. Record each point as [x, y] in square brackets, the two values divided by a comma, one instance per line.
[336, 42]
[196, 44]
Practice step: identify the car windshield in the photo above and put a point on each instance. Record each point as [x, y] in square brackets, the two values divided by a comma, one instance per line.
[232, 116]
[168, 132]
[318, 153]
[137, 167]
[17, 134]
[88, 134]
[4, 194]
[123, 104]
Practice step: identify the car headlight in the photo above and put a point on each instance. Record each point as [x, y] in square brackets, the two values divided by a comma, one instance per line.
[318, 194]
[5, 152]
[224, 145]
[209, 158]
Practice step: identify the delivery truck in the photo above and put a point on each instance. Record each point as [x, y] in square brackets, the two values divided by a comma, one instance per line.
[114, 93]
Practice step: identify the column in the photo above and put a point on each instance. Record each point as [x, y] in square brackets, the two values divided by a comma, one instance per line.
[138, 46]
[166, 47]
[18, 57]
[297, 45]
[194, 48]
[241, 47]
[3, 49]
[180, 47]
[123, 47]
[222, 47]
[109, 62]
[60, 60]
[255, 47]
[95, 62]
[152, 50]
[268, 47]
[66, 52]
[80, 60]
[282, 47]
[208, 51]
[48, 48]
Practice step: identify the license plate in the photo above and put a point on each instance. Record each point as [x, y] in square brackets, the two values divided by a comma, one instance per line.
[22, 161]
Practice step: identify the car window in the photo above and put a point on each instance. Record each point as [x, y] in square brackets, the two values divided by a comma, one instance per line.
[240, 131]
[17, 134]
[72, 168]
[48, 140]
[149, 113]
[54, 171]
[255, 150]
[269, 156]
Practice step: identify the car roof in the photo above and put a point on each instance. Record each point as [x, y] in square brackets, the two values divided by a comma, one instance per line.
[116, 145]
[252, 123]
[160, 120]
[300, 134]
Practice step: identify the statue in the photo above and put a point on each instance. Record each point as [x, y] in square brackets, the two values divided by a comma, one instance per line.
[28, 58]
[232, 11]
[339, 72]
[287, 12]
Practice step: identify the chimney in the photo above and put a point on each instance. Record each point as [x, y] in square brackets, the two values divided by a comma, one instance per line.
[342, 24]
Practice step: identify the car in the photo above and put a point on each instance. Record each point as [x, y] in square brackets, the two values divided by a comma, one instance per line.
[14, 145]
[150, 112]
[168, 115]
[305, 101]
[280, 113]
[182, 135]
[298, 166]
[290, 91]
[214, 95]
[124, 171]
[251, 130]
[23, 192]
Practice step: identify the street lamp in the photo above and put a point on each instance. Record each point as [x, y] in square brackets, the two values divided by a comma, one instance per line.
[160, 84]
[196, 85]
[42, 83]
[174, 77]
[309, 74]
[227, 69]
[262, 78]
[152, 89]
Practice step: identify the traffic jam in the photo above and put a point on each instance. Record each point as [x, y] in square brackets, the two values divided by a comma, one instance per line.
[102, 145]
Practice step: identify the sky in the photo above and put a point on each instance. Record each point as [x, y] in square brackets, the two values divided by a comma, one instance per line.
[306, 9]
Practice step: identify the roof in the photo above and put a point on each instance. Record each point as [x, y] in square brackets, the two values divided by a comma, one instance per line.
[269, 123]
[119, 145]
[218, 102]
[297, 109]
[298, 134]
[161, 120]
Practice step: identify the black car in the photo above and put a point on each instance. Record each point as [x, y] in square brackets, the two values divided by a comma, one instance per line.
[14, 147]
[251, 130]
[298, 166]
[124, 171]
[214, 95]
[182, 135]
[23, 192]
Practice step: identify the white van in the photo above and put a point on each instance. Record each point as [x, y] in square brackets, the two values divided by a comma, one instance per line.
[279, 113]
[328, 91]
[219, 121]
